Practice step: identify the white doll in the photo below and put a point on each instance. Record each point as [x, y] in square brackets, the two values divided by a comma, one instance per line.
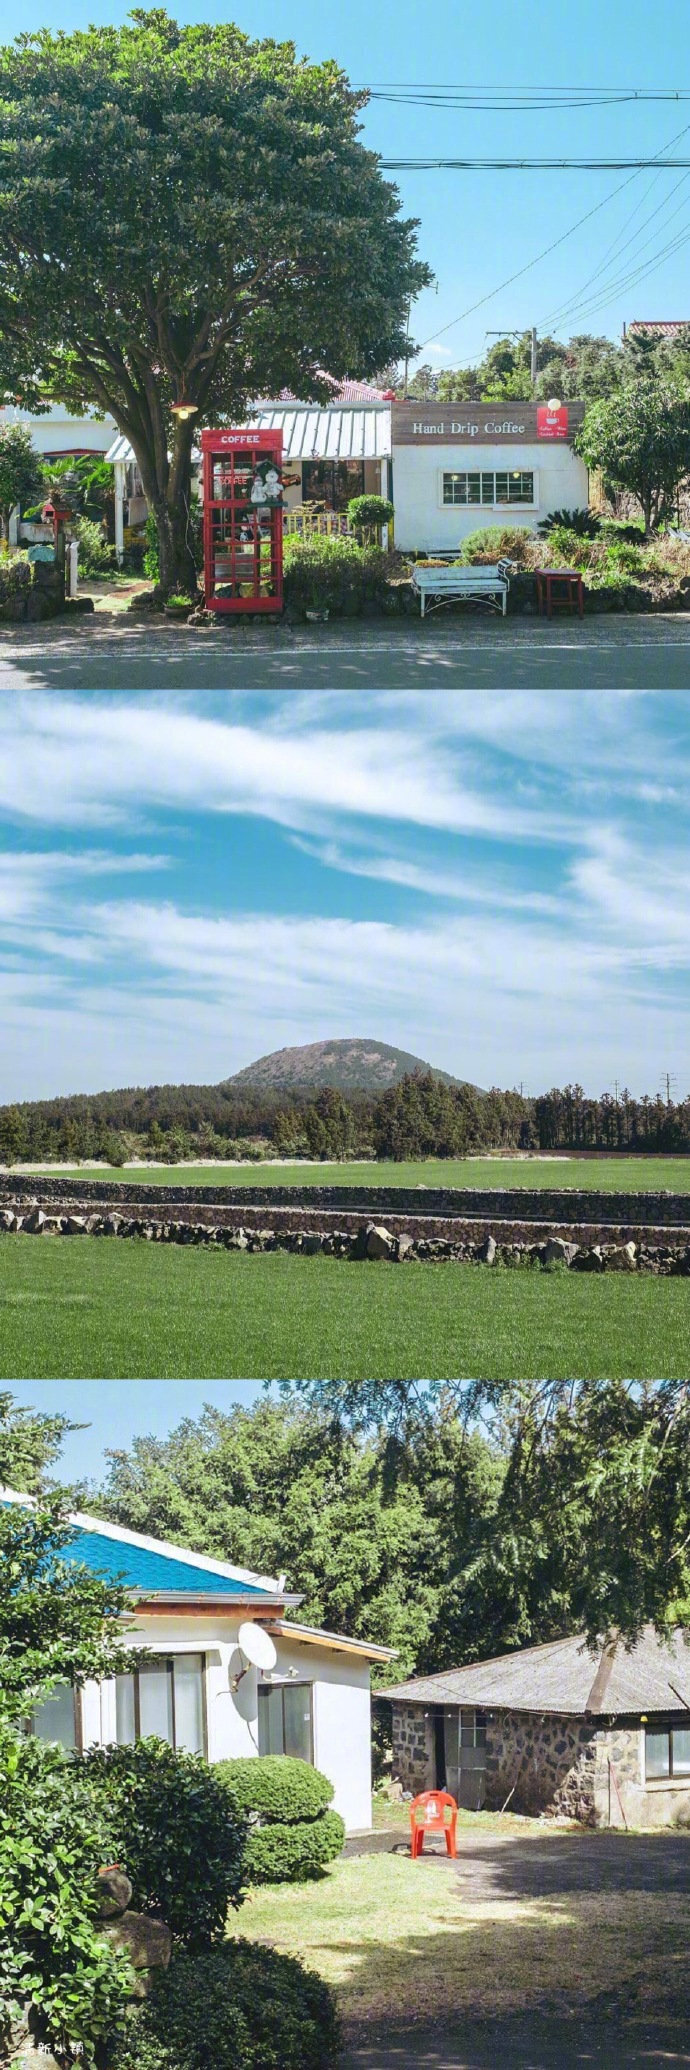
[274, 486]
[258, 490]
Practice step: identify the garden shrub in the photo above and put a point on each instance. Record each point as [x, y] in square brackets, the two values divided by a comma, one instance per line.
[54, 1835]
[237, 2007]
[15, 579]
[96, 556]
[292, 1833]
[194, 533]
[585, 524]
[277, 1786]
[293, 1853]
[367, 515]
[322, 574]
[175, 1832]
[496, 543]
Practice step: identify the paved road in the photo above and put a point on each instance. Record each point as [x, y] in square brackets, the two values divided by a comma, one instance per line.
[602, 653]
[537, 1867]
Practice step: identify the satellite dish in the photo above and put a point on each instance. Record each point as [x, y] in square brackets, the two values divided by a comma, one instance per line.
[257, 1646]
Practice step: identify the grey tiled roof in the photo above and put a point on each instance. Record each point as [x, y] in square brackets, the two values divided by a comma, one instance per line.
[568, 1679]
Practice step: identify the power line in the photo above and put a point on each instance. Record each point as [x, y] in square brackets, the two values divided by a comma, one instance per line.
[508, 98]
[616, 248]
[532, 164]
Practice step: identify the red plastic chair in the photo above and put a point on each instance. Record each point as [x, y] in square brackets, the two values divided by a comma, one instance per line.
[434, 1812]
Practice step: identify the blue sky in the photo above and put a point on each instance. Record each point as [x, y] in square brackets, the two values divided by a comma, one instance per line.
[112, 1413]
[480, 228]
[497, 881]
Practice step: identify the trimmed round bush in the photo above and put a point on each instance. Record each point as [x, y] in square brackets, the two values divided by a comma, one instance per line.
[277, 1786]
[237, 2007]
[278, 1853]
[177, 1834]
[292, 1832]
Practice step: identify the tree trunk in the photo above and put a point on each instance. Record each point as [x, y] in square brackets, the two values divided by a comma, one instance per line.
[176, 564]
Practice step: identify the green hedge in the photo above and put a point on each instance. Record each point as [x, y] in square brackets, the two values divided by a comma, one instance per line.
[238, 2007]
[335, 575]
[293, 1853]
[277, 1786]
[15, 578]
[175, 1832]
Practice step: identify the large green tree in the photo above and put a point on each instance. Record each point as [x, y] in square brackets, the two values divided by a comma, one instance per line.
[640, 440]
[188, 215]
[372, 1532]
[592, 1526]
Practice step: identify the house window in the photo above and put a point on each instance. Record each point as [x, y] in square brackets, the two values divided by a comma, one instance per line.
[163, 1699]
[666, 1752]
[286, 1720]
[472, 1728]
[509, 485]
[56, 1720]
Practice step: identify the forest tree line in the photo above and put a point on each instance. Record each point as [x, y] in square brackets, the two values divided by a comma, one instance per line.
[419, 1117]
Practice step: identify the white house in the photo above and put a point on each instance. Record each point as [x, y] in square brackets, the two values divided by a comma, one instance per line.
[458, 467]
[197, 1691]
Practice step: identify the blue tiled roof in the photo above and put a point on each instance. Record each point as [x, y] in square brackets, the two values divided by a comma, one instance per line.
[140, 1568]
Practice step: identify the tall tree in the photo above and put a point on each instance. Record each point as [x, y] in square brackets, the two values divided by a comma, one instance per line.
[640, 440]
[21, 473]
[187, 216]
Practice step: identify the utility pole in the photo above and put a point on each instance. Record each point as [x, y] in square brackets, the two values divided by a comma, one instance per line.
[532, 347]
[668, 1085]
[407, 348]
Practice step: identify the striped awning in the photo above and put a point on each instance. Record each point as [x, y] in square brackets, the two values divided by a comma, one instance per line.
[340, 431]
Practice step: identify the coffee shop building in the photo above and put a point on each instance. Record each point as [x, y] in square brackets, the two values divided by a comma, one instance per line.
[459, 467]
[448, 469]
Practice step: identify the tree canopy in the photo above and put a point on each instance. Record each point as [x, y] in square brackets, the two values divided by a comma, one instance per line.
[188, 215]
[640, 440]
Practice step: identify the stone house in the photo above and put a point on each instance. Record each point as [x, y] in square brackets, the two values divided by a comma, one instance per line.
[602, 1736]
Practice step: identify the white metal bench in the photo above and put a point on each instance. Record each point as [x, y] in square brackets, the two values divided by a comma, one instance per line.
[475, 584]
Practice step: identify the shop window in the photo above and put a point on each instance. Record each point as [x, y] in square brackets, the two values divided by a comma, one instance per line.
[163, 1699]
[666, 1752]
[56, 1720]
[511, 486]
[286, 1720]
[332, 482]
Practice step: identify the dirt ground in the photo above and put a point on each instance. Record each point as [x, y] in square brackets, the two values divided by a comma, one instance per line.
[639, 2021]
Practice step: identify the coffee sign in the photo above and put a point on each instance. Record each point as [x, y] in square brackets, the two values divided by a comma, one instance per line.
[466, 424]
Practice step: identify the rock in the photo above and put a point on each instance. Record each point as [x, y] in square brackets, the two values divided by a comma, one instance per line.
[556, 1251]
[311, 1242]
[146, 1941]
[75, 1225]
[404, 1246]
[486, 1252]
[31, 2054]
[114, 1891]
[380, 1243]
[34, 1221]
[111, 1225]
[7, 1218]
[623, 1258]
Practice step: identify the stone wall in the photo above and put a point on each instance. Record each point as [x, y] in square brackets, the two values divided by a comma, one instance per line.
[548, 1763]
[414, 1760]
[517, 1205]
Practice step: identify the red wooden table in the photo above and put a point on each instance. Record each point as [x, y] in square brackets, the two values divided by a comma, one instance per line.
[571, 597]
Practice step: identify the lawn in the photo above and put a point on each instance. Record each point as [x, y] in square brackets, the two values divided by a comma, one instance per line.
[405, 1942]
[72, 1309]
[600, 1174]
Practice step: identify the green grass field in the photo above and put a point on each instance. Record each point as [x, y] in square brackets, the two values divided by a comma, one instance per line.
[112, 1310]
[600, 1174]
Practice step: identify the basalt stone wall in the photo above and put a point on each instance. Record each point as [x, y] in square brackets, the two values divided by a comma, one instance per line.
[547, 1207]
[414, 1762]
[549, 1764]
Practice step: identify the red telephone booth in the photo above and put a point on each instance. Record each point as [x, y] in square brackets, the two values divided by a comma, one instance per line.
[243, 520]
[434, 1812]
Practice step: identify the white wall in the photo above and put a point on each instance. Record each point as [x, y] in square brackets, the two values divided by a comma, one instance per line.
[423, 521]
[341, 1701]
[57, 432]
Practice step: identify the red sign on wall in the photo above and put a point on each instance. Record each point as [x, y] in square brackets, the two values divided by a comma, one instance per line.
[552, 423]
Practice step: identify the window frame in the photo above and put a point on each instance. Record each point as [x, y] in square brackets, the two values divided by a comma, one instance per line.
[166, 1660]
[78, 1747]
[268, 1689]
[485, 503]
[682, 1776]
